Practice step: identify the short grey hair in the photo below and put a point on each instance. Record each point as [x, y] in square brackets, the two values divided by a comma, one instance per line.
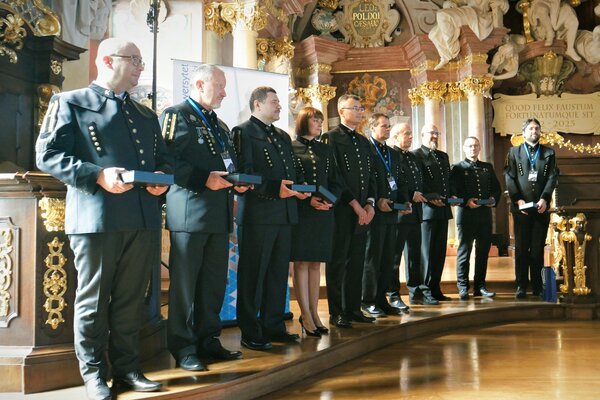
[203, 73]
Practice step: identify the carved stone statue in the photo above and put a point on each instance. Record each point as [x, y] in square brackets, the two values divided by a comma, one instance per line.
[505, 63]
[479, 15]
[587, 43]
[553, 19]
[82, 19]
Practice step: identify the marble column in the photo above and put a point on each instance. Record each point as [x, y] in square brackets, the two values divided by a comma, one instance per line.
[246, 20]
[318, 96]
[433, 93]
[215, 28]
[476, 87]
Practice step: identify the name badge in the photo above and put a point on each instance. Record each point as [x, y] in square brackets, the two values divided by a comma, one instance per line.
[392, 183]
[228, 161]
[532, 176]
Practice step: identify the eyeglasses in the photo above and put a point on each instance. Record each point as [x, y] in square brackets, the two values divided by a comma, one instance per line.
[135, 60]
[436, 133]
[355, 108]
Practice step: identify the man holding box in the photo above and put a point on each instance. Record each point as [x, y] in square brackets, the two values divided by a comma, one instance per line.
[474, 181]
[531, 176]
[200, 219]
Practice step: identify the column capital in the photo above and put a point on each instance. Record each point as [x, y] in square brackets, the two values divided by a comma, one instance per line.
[477, 85]
[268, 48]
[213, 20]
[433, 90]
[415, 96]
[454, 92]
[250, 15]
[321, 92]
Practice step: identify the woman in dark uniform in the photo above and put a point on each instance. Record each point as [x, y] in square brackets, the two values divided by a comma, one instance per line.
[312, 236]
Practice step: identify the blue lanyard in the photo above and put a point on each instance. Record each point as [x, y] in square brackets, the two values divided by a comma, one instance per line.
[532, 161]
[387, 166]
[208, 125]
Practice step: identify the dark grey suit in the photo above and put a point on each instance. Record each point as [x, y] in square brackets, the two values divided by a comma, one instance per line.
[115, 237]
[200, 220]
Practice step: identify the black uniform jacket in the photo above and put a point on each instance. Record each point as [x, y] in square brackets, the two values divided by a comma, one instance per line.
[317, 164]
[414, 183]
[271, 157]
[470, 180]
[87, 130]
[436, 179]
[382, 176]
[191, 206]
[516, 175]
[355, 163]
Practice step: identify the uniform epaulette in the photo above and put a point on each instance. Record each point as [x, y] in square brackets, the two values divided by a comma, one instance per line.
[169, 124]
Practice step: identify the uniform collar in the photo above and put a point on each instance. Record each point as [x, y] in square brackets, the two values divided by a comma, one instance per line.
[102, 91]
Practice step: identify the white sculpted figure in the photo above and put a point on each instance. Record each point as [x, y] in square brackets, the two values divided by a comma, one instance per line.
[482, 16]
[505, 63]
[588, 43]
[552, 19]
[82, 19]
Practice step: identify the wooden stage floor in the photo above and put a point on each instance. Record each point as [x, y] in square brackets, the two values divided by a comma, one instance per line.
[261, 373]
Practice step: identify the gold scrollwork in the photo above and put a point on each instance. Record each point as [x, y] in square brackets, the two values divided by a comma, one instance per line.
[331, 4]
[415, 97]
[272, 9]
[434, 90]
[578, 237]
[320, 92]
[6, 270]
[477, 85]
[55, 283]
[370, 88]
[40, 18]
[12, 34]
[523, 8]
[559, 225]
[269, 48]
[53, 213]
[454, 92]
[251, 15]
[213, 21]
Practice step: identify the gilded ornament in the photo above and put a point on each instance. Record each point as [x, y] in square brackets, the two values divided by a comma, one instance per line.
[370, 88]
[555, 139]
[213, 21]
[547, 74]
[415, 97]
[53, 213]
[523, 8]
[56, 67]
[40, 18]
[6, 270]
[368, 23]
[477, 85]
[475, 58]
[55, 283]
[249, 15]
[433, 90]
[454, 92]
[313, 69]
[559, 225]
[268, 48]
[578, 237]
[320, 92]
[331, 4]
[272, 9]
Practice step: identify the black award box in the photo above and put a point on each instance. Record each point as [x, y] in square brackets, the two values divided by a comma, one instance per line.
[146, 178]
[243, 179]
[323, 193]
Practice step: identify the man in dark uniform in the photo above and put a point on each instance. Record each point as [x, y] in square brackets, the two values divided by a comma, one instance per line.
[88, 138]
[473, 181]
[353, 214]
[200, 219]
[381, 237]
[408, 240]
[266, 215]
[531, 176]
[436, 212]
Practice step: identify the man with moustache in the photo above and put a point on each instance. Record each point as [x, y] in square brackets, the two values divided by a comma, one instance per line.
[408, 239]
[474, 180]
[88, 138]
[353, 214]
[266, 215]
[436, 212]
[531, 176]
[381, 237]
[200, 219]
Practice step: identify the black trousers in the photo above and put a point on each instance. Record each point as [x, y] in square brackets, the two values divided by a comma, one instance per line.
[408, 242]
[379, 263]
[434, 236]
[530, 238]
[344, 272]
[477, 229]
[113, 272]
[198, 276]
[263, 272]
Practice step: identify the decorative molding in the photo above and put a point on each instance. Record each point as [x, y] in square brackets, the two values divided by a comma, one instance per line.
[313, 69]
[433, 90]
[474, 58]
[559, 225]
[268, 48]
[368, 23]
[331, 4]
[55, 283]
[39, 18]
[249, 15]
[53, 213]
[477, 85]
[213, 21]
[12, 34]
[547, 74]
[454, 92]
[320, 92]
[9, 251]
[578, 237]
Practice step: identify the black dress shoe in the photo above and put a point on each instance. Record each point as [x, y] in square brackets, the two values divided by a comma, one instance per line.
[425, 300]
[360, 317]
[260, 345]
[97, 389]
[389, 310]
[441, 297]
[483, 292]
[221, 353]
[396, 302]
[322, 330]
[284, 337]
[135, 380]
[521, 294]
[463, 294]
[340, 321]
[191, 362]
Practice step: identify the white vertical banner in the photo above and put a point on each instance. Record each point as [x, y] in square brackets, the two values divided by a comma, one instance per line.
[240, 84]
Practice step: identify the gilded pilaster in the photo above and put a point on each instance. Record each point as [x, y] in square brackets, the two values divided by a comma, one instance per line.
[55, 283]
